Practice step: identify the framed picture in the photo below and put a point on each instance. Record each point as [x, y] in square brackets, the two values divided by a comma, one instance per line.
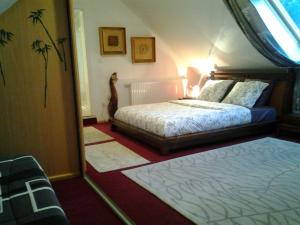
[112, 40]
[143, 49]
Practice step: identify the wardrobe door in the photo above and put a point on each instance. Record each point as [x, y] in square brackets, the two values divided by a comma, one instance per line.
[38, 113]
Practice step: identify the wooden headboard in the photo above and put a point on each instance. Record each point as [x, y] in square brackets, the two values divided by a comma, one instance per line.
[281, 97]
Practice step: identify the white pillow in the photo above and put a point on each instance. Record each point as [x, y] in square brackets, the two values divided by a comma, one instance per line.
[214, 90]
[245, 93]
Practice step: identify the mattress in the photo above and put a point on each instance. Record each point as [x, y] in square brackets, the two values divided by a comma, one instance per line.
[263, 114]
[180, 117]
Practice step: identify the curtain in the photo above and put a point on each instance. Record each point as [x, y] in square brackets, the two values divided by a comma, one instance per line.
[257, 33]
[296, 100]
[253, 26]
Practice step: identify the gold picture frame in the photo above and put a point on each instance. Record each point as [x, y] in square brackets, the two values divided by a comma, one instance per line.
[112, 40]
[143, 49]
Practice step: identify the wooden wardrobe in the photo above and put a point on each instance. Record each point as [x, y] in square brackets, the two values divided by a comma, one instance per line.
[50, 133]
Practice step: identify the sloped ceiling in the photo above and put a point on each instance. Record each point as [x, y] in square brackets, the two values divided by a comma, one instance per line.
[193, 28]
[5, 4]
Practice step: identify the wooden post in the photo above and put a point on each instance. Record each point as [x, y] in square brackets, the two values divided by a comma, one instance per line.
[113, 101]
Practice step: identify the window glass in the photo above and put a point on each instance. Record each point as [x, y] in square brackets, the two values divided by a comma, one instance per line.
[293, 9]
[281, 18]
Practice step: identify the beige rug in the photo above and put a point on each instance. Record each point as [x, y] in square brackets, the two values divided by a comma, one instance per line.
[93, 135]
[251, 183]
[112, 156]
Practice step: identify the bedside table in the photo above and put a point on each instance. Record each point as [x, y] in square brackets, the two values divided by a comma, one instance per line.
[290, 124]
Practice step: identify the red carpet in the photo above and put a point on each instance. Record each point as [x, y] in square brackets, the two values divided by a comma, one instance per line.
[82, 205]
[140, 205]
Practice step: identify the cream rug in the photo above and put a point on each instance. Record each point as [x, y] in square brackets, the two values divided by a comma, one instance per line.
[253, 183]
[93, 135]
[112, 156]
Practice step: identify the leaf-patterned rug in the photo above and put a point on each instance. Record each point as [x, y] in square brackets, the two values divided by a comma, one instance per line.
[256, 182]
[112, 156]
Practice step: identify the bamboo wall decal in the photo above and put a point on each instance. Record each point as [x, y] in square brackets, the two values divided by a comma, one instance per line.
[61, 43]
[36, 17]
[42, 48]
[5, 37]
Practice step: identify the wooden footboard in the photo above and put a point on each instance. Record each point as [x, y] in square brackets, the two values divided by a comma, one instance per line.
[167, 144]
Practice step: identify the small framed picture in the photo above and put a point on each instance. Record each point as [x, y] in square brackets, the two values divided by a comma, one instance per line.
[112, 40]
[143, 49]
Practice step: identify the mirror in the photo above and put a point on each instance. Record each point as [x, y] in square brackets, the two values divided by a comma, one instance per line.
[108, 152]
[97, 137]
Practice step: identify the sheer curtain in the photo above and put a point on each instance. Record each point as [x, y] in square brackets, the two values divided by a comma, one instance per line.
[273, 28]
[82, 63]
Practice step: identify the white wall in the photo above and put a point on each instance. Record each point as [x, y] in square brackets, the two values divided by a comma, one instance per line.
[192, 27]
[186, 31]
[106, 13]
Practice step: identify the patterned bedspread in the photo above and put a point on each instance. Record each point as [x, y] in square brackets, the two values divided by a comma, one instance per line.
[26, 195]
[181, 117]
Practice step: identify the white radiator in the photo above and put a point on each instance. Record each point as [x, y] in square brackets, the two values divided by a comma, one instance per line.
[158, 91]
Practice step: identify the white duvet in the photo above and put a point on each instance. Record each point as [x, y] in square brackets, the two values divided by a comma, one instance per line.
[181, 117]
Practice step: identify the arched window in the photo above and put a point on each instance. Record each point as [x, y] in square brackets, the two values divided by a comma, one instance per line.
[280, 18]
[273, 28]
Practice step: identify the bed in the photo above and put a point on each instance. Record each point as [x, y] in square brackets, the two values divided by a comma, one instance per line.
[185, 123]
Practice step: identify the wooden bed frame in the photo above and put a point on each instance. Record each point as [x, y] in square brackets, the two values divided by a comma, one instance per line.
[279, 99]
